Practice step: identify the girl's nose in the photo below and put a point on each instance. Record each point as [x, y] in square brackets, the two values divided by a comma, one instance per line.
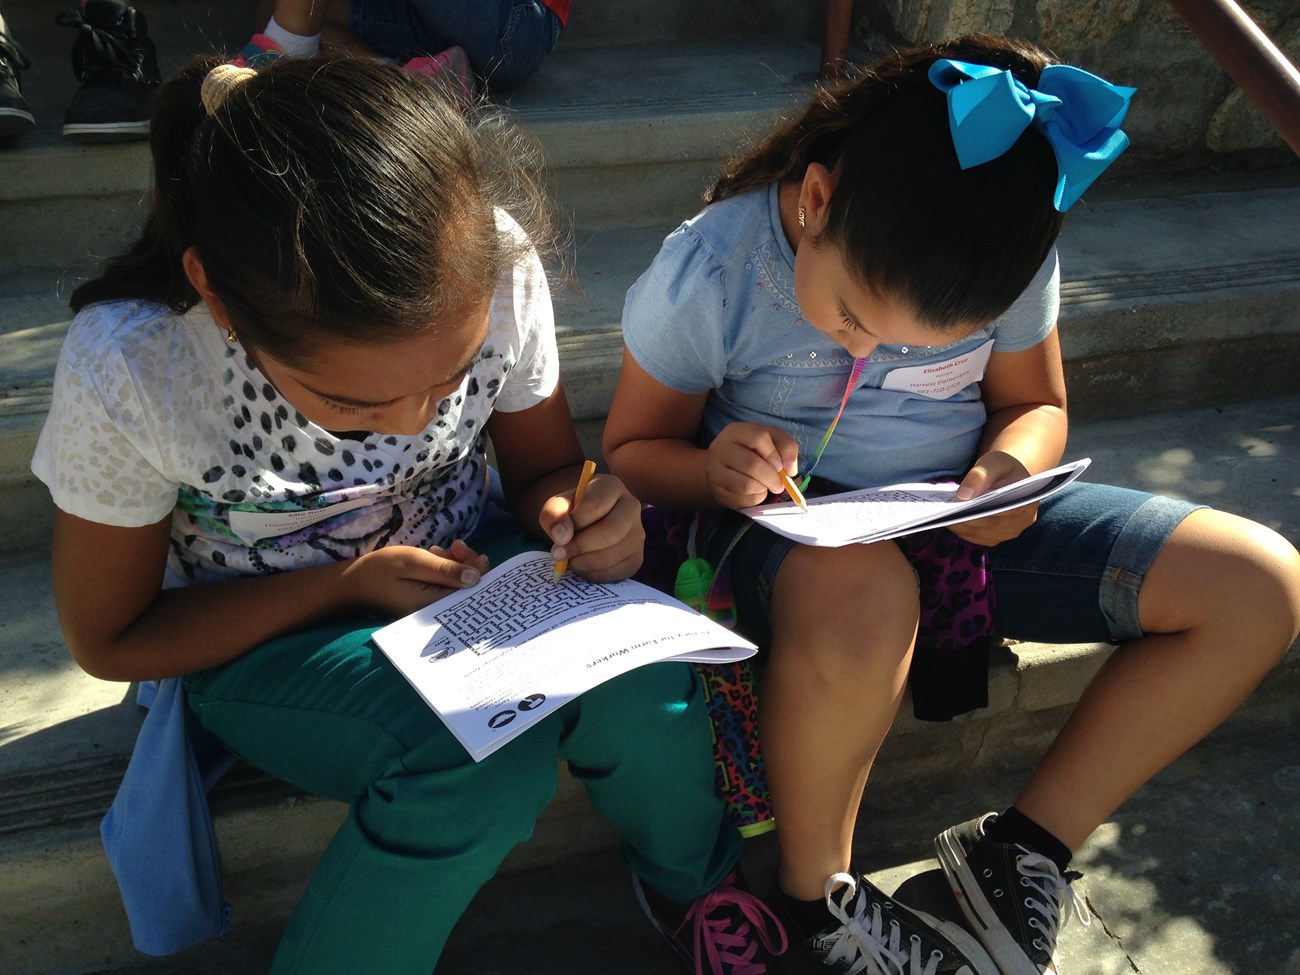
[863, 347]
[410, 416]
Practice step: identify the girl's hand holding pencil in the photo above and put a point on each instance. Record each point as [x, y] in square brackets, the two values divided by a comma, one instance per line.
[749, 461]
[588, 471]
[595, 529]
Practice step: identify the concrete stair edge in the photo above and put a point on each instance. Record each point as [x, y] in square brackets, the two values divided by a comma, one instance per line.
[649, 122]
[1105, 331]
[583, 141]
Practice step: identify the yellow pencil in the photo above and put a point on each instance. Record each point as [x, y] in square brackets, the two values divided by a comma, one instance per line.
[792, 489]
[588, 469]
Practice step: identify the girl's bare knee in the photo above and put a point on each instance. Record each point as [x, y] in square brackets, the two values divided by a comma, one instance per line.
[1223, 571]
[846, 607]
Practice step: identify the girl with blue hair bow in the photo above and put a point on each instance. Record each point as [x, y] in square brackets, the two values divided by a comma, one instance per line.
[902, 227]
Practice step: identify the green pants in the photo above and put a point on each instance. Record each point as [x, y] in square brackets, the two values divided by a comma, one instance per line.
[325, 711]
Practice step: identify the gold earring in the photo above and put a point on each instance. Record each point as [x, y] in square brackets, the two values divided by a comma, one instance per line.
[801, 216]
[230, 336]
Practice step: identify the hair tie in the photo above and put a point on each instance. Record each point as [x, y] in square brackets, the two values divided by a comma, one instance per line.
[1078, 113]
[220, 82]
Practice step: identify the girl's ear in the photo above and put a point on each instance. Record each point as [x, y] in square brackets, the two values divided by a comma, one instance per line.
[815, 197]
[199, 279]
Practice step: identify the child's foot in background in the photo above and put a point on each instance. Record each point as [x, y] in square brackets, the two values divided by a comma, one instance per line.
[15, 117]
[117, 65]
[449, 69]
[259, 51]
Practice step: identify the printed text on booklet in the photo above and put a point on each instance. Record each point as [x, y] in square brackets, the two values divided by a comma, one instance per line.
[494, 659]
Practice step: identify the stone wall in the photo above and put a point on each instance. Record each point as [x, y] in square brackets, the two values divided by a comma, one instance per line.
[1187, 109]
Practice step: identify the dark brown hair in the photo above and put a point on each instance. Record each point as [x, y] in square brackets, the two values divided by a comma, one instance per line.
[324, 197]
[958, 245]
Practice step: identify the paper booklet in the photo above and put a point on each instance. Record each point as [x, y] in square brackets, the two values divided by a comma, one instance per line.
[494, 659]
[876, 514]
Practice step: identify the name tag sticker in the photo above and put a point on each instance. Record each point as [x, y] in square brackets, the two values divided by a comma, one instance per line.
[939, 380]
[253, 526]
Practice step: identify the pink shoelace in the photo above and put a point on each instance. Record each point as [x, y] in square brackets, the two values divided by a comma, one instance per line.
[728, 942]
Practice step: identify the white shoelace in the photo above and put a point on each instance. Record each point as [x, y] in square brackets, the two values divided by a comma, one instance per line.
[864, 942]
[1041, 875]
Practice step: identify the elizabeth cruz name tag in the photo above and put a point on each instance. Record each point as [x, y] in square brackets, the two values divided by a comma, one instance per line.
[939, 380]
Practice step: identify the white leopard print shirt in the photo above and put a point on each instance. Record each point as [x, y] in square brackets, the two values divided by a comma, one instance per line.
[155, 413]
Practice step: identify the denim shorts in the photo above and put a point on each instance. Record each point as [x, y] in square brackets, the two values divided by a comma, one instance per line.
[1071, 577]
[506, 40]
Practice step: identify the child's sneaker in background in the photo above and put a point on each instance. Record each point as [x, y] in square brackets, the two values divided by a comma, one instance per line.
[877, 934]
[450, 70]
[728, 931]
[117, 65]
[259, 51]
[15, 117]
[1014, 898]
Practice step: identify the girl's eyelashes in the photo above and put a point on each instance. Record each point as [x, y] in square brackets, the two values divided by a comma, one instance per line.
[349, 410]
[849, 323]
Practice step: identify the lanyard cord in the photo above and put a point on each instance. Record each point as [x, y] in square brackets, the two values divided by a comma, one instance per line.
[854, 376]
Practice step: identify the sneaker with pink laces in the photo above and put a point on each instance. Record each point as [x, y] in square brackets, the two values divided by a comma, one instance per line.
[450, 69]
[727, 931]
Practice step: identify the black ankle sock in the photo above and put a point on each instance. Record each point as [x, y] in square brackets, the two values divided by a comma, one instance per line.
[1013, 826]
[805, 917]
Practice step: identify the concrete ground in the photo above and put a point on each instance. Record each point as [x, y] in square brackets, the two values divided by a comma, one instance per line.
[1198, 875]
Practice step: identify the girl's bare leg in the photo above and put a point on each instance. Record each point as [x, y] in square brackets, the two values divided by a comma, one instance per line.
[1221, 605]
[305, 17]
[844, 622]
[328, 18]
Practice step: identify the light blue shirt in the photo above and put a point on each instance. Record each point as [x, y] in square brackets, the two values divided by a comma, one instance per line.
[716, 312]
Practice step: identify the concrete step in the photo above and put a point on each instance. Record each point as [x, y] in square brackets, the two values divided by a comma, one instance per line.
[651, 108]
[66, 737]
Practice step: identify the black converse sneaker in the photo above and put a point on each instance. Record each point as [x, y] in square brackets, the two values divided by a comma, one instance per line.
[1013, 897]
[727, 931]
[117, 65]
[877, 935]
[15, 117]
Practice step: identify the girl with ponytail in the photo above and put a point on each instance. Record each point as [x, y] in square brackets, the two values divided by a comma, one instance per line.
[268, 436]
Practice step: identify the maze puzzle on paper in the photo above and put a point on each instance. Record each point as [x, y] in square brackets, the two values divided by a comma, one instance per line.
[517, 601]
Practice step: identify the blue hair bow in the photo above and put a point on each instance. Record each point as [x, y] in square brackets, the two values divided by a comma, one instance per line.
[1077, 112]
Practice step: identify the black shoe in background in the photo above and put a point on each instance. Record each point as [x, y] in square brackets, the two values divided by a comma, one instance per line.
[15, 117]
[117, 65]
